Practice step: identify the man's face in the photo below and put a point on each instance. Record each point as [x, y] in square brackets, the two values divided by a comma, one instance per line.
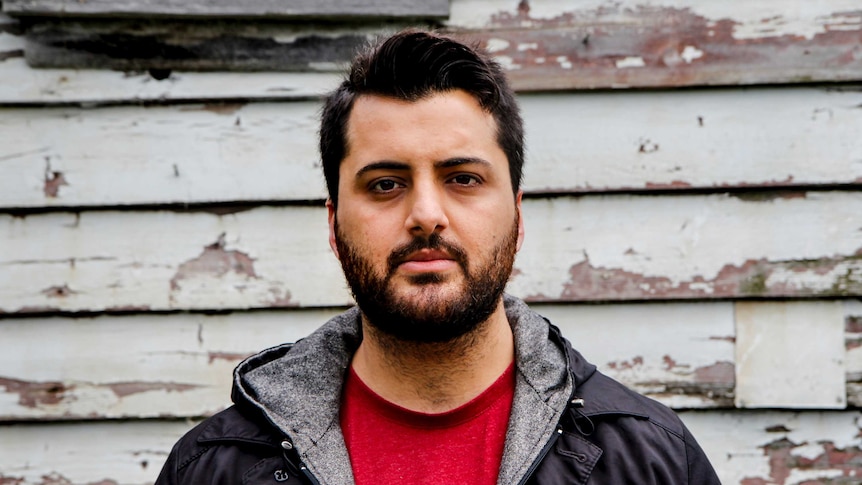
[427, 226]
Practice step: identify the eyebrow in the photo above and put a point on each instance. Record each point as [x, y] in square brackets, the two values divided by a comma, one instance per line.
[393, 165]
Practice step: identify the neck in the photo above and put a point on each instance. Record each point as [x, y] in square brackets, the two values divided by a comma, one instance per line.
[435, 377]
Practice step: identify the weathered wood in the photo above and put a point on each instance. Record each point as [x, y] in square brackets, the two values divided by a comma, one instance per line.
[779, 365]
[130, 453]
[853, 348]
[558, 45]
[181, 365]
[591, 142]
[229, 8]
[136, 46]
[577, 249]
[544, 46]
[691, 369]
[791, 448]
[746, 448]
[134, 367]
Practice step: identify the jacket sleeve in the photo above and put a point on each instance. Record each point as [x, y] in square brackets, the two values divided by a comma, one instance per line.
[168, 475]
[700, 470]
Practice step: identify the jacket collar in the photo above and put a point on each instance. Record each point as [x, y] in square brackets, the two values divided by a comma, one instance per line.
[297, 388]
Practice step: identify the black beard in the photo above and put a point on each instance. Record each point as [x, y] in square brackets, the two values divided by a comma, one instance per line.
[434, 320]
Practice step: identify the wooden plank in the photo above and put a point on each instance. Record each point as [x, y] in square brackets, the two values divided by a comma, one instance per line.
[853, 349]
[779, 365]
[229, 8]
[130, 453]
[136, 366]
[630, 43]
[772, 447]
[183, 154]
[627, 44]
[584, 143]
[164, 46]
[680, 354]
[745, 448]
[577, 249]
[24, 85]
[180, 365]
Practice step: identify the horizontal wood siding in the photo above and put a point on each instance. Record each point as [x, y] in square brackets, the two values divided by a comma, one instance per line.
[703, 246]
[751, 447]
[592, 142]
[631, 43]
[549, 45]
[577, 249]
[229, 8]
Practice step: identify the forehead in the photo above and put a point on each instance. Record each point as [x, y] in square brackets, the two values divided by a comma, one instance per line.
[434, 126]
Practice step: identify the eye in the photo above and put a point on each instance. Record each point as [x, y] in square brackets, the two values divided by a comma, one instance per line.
[465, 179]
[384, 185]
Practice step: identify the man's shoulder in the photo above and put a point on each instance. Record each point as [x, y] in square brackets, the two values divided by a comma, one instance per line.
[231, 439]
[605, 397]
[638, 435]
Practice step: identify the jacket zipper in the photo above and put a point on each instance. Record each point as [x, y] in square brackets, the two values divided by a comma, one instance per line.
[542, 455]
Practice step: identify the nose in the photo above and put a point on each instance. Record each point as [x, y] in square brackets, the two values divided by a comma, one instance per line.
[427, 211]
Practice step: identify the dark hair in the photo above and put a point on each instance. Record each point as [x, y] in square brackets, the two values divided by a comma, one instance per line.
[411, 65]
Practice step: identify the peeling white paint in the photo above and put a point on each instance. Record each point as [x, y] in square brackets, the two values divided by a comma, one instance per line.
[564, 62]
[690, 53]
[508, 63]
[326, 66]
[630, 62]
[527, 46]
[733, 440]
[753, 20]
[496, 45]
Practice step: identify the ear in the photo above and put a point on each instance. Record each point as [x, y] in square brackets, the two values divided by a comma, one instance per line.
[330, 207]
[520, 218]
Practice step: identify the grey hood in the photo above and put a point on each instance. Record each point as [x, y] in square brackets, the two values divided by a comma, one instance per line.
[298, 388]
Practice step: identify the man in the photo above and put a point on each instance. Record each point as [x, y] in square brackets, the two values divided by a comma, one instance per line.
[436, 376]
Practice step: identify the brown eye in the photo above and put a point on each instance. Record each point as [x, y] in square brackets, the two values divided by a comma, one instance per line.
[464, 179]
[384, 185]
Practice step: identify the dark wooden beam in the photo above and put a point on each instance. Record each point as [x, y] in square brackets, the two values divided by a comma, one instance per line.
[230, 8]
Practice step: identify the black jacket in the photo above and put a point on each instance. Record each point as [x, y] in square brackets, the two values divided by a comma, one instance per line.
[606, 434]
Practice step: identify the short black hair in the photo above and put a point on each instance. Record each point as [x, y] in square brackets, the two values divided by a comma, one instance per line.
[409, 66]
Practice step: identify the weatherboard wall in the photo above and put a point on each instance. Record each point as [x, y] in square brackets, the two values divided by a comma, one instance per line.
[693, 217]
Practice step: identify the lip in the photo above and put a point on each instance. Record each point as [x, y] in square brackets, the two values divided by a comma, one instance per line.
[428, 260]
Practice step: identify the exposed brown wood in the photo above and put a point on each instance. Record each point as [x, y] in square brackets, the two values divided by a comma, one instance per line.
[230, 8]
[135, 46]
[617, 46]
[631, 44]
[599, 248]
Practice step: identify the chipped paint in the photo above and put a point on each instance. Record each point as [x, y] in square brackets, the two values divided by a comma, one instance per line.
[752, 278]
[215, 261]
[496, 45]
[53, 181]
[233, 357]
[672, 44]
[814, 463]
[690, 53]
[35, 394]
[124, 389]
[61, 291]
[630, 62]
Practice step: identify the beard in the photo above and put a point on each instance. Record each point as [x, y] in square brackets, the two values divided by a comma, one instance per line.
[427, 312]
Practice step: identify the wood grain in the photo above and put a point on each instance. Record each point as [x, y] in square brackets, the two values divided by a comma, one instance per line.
[229, 8]
[586, 143]
[598, 248]
[550, 45]
[751, 447]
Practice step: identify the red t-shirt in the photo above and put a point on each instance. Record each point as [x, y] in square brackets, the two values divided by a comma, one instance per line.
[389, 444]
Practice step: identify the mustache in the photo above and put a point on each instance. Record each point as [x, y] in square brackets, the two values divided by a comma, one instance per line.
[435, 242]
